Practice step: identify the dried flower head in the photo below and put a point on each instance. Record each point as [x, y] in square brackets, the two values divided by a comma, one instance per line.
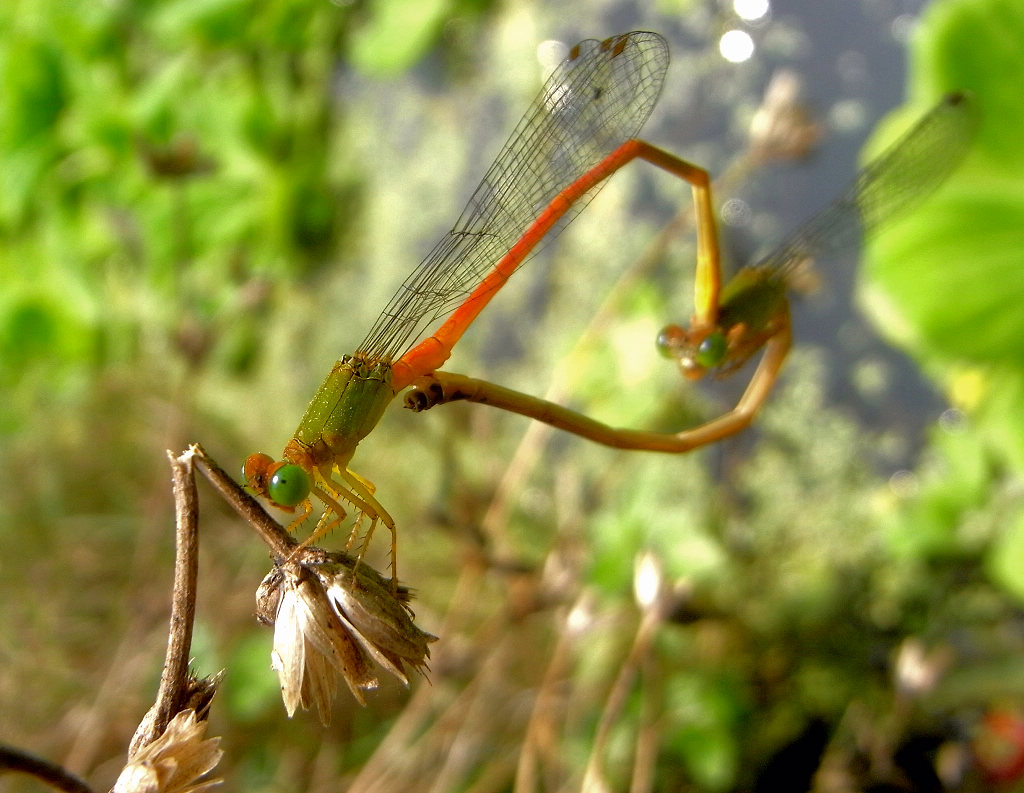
[175, 761]
[196, 695]
[782, 128]
[331, 616]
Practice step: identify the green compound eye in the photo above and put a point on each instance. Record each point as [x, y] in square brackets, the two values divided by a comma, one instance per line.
[288, 486]
[670, 340]
[711, 351]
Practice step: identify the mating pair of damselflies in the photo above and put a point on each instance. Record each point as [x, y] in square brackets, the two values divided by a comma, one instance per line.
[580, 130]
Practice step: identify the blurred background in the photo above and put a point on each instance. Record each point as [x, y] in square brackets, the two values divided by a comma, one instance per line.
[204, 203]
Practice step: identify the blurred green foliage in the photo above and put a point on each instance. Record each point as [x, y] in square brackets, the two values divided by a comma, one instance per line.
[159, 157]
[947, 282]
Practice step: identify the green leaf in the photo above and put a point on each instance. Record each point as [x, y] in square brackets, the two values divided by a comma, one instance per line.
[1006, 560]
[975, 45]
[34, 91]
[947, 282]
[397, 34]
[998, 415]
[216, 21]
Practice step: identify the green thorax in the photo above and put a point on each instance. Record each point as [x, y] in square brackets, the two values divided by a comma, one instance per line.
[348, 404]
[753, 298]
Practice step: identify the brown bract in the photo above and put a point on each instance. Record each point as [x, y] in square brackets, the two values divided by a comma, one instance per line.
[331, 616]
[176, 762]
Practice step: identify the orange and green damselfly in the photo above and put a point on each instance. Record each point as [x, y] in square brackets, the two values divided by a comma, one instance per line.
[578, 131]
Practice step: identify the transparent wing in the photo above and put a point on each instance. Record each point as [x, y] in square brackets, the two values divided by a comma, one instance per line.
[595, 100]
[898, 179]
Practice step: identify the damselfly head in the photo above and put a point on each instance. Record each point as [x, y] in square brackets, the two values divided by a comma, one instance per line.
[285, 484]
[696, 350]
